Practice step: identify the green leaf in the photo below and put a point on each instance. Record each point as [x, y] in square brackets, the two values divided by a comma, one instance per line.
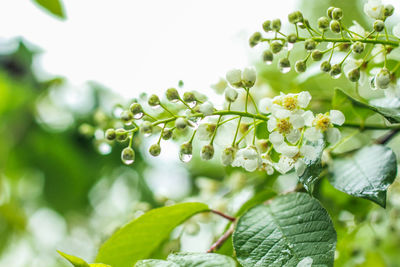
[350, 106]
[155, 263]
[262, 131]
[138, 239]
[258, 198]
[367, 173]
[77, 262]
[313, 167]
[201, 260]
[55, 7]
[284, 232]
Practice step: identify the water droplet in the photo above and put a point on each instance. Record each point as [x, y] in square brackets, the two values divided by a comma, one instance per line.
[146, 134]
[284, 69]
[138, 116]
[127, 161]
[268, 62]
[185, 157]
[336, 76]
[128, 156]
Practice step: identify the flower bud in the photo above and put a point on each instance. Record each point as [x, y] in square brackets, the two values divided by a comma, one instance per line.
[329, 11]
[181, 123]
[382, 79]
[300, 66]
[335, 26]
[207, 152]
[295, 17]
[354, 75]
[337, 13]
[185, 153]
[267, 26]
[343, 47]
[276, 25]
[388, 10]
[126, 117]
[234, 77]
[292, 38]
[379, 25]
[325, 66]
[155, 150]
[166, 134]
[172, 94]
[284, 65]
[310, 44]
[276, 47]
[358, 47]
[154, 101]
[207, 108]
[336, 70]
[146, 128]
[249, 77]
[227, 156]
[323, 23]
[231, 94]
[317, 55]
[86, 130]
[268, 57]
[136, 110]
[121, 135]
[189, 97]
[255, 39]
[128, 155]
[110, 134]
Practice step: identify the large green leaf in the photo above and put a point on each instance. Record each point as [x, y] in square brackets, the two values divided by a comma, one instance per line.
[353, 110]
[190, 260]
[313, 166]
[139, 238]
[284, 232]
[155, 263]
[55, 7]
[367, 173]
[78, 262]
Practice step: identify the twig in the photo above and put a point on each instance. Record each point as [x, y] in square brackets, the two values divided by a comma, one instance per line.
[232, 219]
[387, 137]
[221, 240]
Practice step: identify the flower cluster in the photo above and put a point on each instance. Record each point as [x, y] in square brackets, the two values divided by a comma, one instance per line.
[286, 139]
[355, 46]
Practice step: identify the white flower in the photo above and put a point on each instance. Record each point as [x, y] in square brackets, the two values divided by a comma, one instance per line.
[284, 164]
[285, 127]
[207, 108]
[351, 64]
[231, 94]
[265, 105]
[396, 30]
[286, 150]
[377, 53]
[357, 28]
[293, 101]
[382, 79]
[324, 123]
[267, 166]
[219, 86]
[205, 131]
[249, 76]
[227, 156]
[374, 9]
[248, 158]
[234, 77]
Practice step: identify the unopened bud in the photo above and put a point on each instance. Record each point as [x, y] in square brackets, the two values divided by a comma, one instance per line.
[382, 79]
[295, 17]
[379, 25]
[292, 38]
[329, 11]
[155, 150]
[276, 25]
[284, 65]
[227, 156]
[121, 135]
[358, 47]
[323, 23]
[136, 110]
[234, 77]
[268, 57]
[337, 13]
[207, 152]
[128, 155]
[255, 39]
[189, 97]
[310, 44]
[325, 66]
[354, 75]
[231, 94]
[388, 11]
[154, 101]
[317, 55]
[249, 76]
[126, 117]
[276, 47]
[181, 123]
[336, 70]
[146, 128]
[167, 134]
[110, 134]
[300, 66]
[267, 26]
[172, 94]
[335, 26]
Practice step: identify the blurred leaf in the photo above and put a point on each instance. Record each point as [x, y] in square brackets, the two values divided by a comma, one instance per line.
[352, 110]
[367, 173]
[155, 263]
[258, 198]
[284, 232]
[76, 261]
[139, 238]
[201, 260]
[313, 167]
[55, 7]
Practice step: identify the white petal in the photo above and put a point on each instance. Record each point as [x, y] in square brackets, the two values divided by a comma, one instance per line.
[312, 134]
[333, 135]
[284, 165]
[207, 108]
[219, 86]
[234, 77]
[297, 121]
[251, 165]
[265, 105]
[276, 138]
[308, 152]
[249, 75]
[336, 117]
[293, 136]
[300, 167]
[271, 124]
[396, 30]
[288, 151]
[308, 117]
[304, 99]
[281, 113]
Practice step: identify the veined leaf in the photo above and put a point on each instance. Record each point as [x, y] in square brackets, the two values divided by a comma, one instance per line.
[139, 238]
[367, 173]
[53, 6]
[289, 229]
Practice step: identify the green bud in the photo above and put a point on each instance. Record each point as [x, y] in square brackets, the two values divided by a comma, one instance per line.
[181, 123]
[295, 17]
[146, 128]
[185, 153]
[300, 66]
[323, 23]
[126, 117]
[336, 70]
[382, 79]
[358, 47]
[172, 94]
[154, 101]
[292, 38]
[337, 13]
[379, 25]
[317, 55]
[335, 26]
[128, 156]
[136, 110]
[388, 11]
[344, 46]
[86, 129]
[167, 134]
[310, 44]
[284, 65]
[155, 150]
[329, 11]
[268, 57]
[181, 84]
[189, 97]
[267, 26]
[121, 135]
[207, 152]
[110, 134]
[276, 47]
[354, 75]
[255, 39]
[227, 156]
[325, 66]
[276, 25]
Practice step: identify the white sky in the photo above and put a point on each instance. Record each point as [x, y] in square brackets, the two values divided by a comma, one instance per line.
[134, 46]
